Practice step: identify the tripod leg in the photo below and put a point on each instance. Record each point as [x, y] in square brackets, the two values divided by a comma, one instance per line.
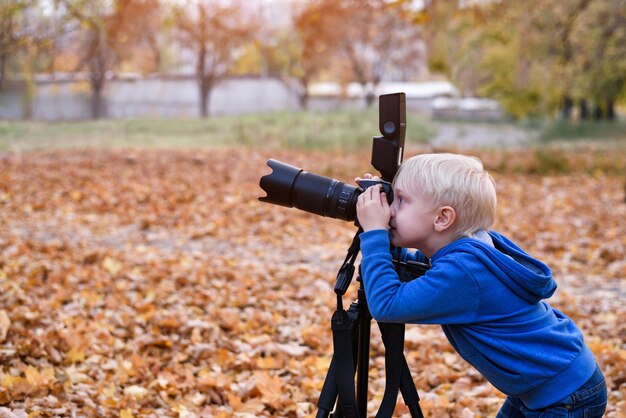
[409, 392]
[363, 352]
[328, 395]
[398, 373]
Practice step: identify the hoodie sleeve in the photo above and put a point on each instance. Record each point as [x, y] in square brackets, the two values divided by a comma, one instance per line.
[446, 294]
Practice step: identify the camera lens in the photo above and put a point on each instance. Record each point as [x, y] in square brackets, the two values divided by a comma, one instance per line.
[293, 187]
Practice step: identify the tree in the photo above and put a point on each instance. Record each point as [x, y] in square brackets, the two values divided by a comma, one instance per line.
[378, 40]
[536, 57]
[313, 45]
[215, 31]
[109, 33]
[280, 55]
[98, 56]
[454, 40]
[557, 21]
[138, 34]
[599, 39]
[27, 36]
[360, 41]
[11, 37]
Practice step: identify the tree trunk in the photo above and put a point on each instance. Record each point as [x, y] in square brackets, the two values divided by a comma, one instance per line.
[206, 85]
[303, 99]
[610, 110]
[597, 112]
[301, 88]
[370, 97]
[97, 86]
[205, 80]
[369, 89]
[566, 110]
[204, 103]
[28, 96]
[584, 110]
[98, 64]
[2, 69]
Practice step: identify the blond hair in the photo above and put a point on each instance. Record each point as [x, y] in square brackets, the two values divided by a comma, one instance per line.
[453, 180]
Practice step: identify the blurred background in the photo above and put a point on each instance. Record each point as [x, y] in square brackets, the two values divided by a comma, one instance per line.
[481, 60]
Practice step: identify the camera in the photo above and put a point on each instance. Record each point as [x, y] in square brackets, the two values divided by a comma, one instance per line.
[293, 187]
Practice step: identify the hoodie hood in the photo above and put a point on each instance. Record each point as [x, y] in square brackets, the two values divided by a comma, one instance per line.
[526, 276]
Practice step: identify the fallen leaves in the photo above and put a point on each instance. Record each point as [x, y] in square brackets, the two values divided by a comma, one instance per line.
[5, 323]
[153, 283]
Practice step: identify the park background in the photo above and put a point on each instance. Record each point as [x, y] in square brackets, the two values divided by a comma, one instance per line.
[141, 277]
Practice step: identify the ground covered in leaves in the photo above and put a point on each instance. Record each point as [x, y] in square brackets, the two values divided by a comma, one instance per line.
[154, 284]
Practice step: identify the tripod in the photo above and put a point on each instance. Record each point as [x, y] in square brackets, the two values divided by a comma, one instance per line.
[351, 341]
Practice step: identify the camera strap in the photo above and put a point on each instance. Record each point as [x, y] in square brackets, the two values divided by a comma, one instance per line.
[398, 375]
[344, 362]
[393, 338]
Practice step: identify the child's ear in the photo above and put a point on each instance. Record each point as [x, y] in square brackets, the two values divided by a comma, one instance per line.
[446, 215]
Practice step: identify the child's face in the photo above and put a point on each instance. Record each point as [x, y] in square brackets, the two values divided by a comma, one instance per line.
[412, 219]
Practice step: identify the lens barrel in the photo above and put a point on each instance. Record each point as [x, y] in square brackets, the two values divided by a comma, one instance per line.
[293, 187]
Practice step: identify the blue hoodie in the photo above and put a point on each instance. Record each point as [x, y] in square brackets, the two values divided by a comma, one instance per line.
[488, 300]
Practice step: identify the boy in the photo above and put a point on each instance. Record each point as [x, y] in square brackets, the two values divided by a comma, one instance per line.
[484, 290]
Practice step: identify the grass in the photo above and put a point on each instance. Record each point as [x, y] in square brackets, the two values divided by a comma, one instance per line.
[345, 130]
[561, 130]
[561, 148]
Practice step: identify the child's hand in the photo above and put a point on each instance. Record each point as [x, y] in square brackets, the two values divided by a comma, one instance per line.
[373, 209]
[366, 176]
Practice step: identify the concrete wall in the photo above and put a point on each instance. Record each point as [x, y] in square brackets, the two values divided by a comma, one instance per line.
[151, 96]
[178, 96]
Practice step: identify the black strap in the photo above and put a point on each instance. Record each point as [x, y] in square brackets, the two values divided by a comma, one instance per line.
[393, 338]
[344, 363]
[409, 391]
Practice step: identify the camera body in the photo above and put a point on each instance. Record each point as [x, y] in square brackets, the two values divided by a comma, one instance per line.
[293, 187]
[385, 187]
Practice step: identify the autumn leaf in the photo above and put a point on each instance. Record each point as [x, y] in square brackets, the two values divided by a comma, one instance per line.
[5, 324]
[126, 413]
[135, 391]
[268, 387]
[153, 282]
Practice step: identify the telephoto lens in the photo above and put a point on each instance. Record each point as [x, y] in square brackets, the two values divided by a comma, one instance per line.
[292, 187]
